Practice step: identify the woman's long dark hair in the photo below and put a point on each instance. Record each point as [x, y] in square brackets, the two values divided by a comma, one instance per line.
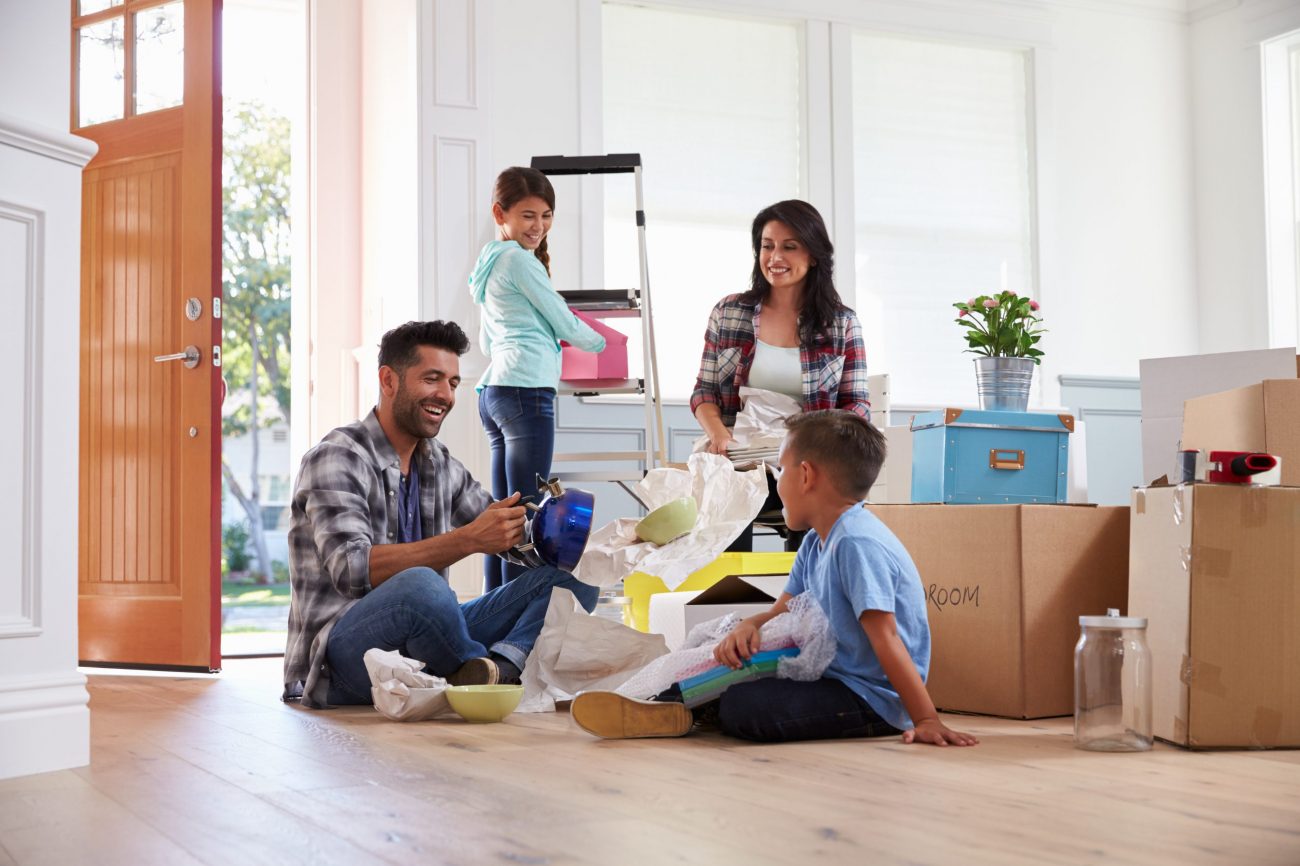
[518, 183]
[820, 300]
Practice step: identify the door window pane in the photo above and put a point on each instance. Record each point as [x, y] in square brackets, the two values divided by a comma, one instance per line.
[88, 7]
[159, 58]
[100, 72]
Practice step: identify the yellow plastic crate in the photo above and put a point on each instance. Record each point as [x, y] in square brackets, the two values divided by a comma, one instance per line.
[639, 586]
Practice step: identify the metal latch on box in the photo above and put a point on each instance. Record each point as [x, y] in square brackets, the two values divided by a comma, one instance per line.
[1006, 458]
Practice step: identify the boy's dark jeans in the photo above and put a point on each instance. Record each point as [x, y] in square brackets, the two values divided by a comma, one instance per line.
[777, 711]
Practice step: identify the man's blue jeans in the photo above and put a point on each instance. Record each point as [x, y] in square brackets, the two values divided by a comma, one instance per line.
[520, 425]
[416, 613]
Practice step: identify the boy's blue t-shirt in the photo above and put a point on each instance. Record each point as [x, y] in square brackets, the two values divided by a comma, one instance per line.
[863, 566]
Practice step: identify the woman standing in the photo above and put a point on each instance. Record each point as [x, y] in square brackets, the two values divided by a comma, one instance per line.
[789, 333]
[523, 320]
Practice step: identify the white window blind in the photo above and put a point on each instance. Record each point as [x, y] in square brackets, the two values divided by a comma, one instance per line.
[942, 200]
[713, 105]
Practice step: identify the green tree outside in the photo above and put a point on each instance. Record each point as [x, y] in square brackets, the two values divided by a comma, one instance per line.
[256, 257]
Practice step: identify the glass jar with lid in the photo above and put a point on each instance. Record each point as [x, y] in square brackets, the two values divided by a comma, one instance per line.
[1112, 684]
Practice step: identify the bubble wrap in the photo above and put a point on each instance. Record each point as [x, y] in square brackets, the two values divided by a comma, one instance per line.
[803, 625]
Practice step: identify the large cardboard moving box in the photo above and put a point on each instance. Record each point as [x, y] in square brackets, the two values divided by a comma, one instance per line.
[1260, 417]
[1216, 571]
[1005, 586]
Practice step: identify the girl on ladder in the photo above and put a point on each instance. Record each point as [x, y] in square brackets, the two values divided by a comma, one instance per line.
[523, 321]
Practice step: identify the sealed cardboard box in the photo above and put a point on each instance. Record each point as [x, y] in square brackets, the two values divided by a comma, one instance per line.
[1169, 382]
[1260, 417]
[1005, 586]
[1216, 571]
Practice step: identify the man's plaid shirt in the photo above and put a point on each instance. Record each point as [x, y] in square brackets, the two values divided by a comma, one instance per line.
[834, 369]
[344, 502]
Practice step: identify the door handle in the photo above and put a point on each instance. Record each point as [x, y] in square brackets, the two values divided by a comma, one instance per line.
[190, 356]
[1006, 458]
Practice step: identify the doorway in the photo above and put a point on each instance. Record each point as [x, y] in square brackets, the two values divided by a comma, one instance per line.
[265, 88]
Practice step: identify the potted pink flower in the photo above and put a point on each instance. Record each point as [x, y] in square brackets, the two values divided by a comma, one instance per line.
[1003, 329]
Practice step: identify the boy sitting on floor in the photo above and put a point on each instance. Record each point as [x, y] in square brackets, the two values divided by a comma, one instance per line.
[867, 585]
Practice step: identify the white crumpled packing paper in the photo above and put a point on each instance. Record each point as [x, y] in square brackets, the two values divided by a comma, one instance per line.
[760, 424]
[402, 691]
[727, 501]
[576, 651]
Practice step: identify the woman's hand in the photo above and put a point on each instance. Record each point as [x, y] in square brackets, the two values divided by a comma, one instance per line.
[720, 441]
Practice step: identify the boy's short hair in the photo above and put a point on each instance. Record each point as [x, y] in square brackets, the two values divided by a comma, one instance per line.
[844, 444]
[399, 348]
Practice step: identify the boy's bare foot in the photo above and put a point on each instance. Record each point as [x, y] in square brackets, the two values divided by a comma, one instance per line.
[614, 717]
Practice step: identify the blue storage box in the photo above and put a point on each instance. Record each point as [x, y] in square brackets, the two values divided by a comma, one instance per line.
[969, 455]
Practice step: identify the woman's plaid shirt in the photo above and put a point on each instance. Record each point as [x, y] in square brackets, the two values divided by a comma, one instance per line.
[834, 369]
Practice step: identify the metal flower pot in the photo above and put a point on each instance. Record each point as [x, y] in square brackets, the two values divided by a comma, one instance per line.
[1003, 383]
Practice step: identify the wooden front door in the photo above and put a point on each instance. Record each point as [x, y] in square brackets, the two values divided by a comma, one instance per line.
[146, 88]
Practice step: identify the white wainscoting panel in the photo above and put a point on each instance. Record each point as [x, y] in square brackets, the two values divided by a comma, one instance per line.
[44, 720]
[455, 61]
[21, 249]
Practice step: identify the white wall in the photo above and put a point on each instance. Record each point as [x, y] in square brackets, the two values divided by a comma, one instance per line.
[34, 62]
[44, 721]
[1119, 278]
[1228, 136]
[390, 164]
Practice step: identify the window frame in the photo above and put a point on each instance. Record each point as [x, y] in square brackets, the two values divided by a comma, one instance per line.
[127, 11]
[827, 156]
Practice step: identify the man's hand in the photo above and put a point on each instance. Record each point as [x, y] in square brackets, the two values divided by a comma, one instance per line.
[498, 528]
[937, 733]
[741, 643]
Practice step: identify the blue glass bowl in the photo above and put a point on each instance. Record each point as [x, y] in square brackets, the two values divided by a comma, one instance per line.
[562, 526]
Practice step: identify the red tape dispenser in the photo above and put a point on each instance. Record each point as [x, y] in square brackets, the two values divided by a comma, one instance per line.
[1242, 467]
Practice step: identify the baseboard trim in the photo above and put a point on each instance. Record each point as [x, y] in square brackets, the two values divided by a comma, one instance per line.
[44, 724]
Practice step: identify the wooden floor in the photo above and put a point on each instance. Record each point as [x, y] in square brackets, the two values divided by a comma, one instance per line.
[217, 770]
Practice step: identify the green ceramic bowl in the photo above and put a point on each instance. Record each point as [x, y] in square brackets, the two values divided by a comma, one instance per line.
[668, 521]
[484, 703]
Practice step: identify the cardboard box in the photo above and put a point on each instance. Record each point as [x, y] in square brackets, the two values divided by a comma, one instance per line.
[1169, 382]
[1260, 417]
[1005, 586]
[674, 614]
[609, 365]
[1216, 570]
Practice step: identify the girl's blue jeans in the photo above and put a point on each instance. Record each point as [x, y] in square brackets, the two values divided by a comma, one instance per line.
[416, 613]
[520, 425]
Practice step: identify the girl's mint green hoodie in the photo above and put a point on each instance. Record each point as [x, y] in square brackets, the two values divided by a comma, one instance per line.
[523, 319]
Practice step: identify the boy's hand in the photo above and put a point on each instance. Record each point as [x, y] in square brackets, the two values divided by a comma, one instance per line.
[741, 643]
[937, 733]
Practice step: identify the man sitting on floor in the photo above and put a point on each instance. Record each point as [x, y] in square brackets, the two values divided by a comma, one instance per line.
[380, 511]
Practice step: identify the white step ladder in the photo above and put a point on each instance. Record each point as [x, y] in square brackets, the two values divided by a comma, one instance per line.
[609, 304]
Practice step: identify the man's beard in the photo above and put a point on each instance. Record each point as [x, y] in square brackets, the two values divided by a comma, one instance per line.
[411, 418]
